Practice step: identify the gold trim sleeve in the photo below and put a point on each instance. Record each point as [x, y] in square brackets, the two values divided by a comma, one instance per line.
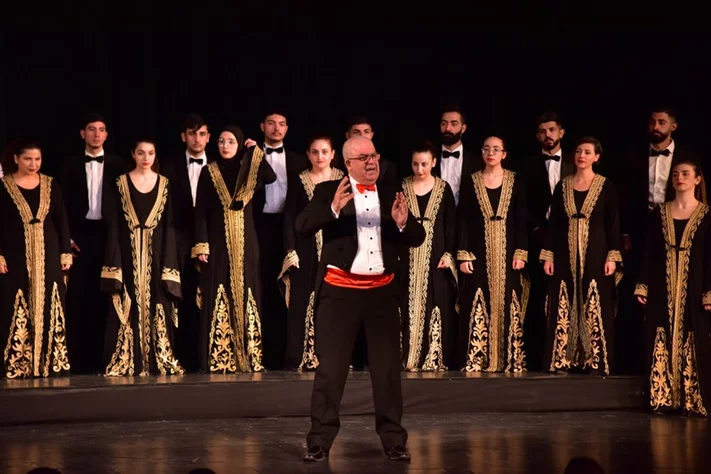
[201, 248]
[3, 261]
[112, 273]
[66, 258]
[170, 274]
[451, 265]
[465, 256]
[546, 256]
[640, 290]
[291, 260]
[706, 299]
[614, 256]
[520, 254]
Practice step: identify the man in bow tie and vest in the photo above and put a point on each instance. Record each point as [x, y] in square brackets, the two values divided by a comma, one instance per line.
[363, 224]
[269, 203]
[83, 180]
[183, 175]
[541, 173]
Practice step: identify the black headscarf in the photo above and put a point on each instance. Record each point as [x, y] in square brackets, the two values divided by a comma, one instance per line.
[230, 168]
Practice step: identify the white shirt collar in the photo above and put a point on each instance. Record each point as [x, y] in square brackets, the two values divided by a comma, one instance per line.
[558, 153]
[460, 149]
[101, 153]
[203, 157]
[275, 146]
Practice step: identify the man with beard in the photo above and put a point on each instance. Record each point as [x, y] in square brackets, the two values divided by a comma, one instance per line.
[542, 173]
[183, 175]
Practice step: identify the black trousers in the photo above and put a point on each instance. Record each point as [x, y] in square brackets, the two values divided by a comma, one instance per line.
[187, 334]
[87, 306]
[339, 315]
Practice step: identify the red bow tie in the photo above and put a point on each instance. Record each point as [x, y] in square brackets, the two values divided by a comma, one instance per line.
[365, 187]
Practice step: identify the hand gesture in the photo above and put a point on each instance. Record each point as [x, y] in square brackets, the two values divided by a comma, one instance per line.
[643, 300]
[518, 264]
[249, 143]
[202, 257]
[610, 268]
[342, 196]
[400, 211]
[466, 267]
[707, 307]
[548, 268]
[442, 263]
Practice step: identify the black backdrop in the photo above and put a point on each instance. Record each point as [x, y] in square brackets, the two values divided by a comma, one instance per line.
[146, 79]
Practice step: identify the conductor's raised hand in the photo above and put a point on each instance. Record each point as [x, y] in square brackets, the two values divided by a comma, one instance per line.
[342, 196]
[399, 212]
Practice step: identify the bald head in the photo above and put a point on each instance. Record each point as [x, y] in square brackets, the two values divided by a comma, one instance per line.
[356, 146]
[364, 171]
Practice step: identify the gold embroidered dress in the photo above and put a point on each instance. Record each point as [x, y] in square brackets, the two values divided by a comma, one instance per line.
[34, 243]
[230, 321]
[676, 280]
[493, 299]
[581, 305]
[297, 284]
[429, 293]
[140, 273]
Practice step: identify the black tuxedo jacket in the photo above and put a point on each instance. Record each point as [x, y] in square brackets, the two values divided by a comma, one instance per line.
[538, 190]
[75, 190]
[471, 163]
[295, 164]
[340, 242]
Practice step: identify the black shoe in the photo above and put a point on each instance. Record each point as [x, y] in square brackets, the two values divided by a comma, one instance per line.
[398, 453]
[315, 454]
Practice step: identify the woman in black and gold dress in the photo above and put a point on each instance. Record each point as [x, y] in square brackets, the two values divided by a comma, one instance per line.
[675, 289]
[582, 257]
[303, 254]
[140, 271]
[34, 257]
[493, 245]
[429, 276]
[227, 252]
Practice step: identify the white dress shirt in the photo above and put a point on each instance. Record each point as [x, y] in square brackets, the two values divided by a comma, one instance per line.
[553, 170]
[451, 169]
[94, 185]
[369, 257]
[275, 193]
[194, 170]
[659, 169]
[1, 175]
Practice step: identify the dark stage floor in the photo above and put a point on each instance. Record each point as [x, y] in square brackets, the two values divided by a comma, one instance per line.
[623, 442]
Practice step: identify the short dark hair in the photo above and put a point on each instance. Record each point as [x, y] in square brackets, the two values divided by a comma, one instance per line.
[274, 111]
[549, 116]
[455, 108]
[663, 109]
[91, 118]
[357, 120]
[425, 146]
[193, 122]
[597, 145]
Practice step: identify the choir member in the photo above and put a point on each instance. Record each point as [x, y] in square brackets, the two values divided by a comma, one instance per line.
[83, 180]
[582, 257]
[35, 255]
[493, 251]
[674, 287]
[429, 275]
[361, 126]
[228, 251]
[141, 271]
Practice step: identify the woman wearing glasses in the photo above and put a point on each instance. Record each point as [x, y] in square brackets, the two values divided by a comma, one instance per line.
[430, 274]
[492, 254]
[582, 257]
[227, 253]
[303, 254]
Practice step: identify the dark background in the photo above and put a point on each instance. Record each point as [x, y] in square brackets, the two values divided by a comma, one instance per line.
[146, 66]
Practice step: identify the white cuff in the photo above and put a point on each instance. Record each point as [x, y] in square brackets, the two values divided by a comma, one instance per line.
[334, 213]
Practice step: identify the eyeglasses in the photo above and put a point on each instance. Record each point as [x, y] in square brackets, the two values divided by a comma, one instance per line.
[364, 158]
[226, 143]
[496, 150]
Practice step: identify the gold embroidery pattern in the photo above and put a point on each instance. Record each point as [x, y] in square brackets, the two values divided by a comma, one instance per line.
[706, 299]
[222, 345]
[435, 358]
[516, 353]
[560, 344]
[254, 334]
[693, 403]
[112, 273]
[520, 255]
[198, 297]
[496, 242]
[478, 346]
[66, 259]
[166, 362]
[451, 265]
[308, 358]
[525, 293]
[677, 275]
[614, 256]
[59, 360]
[546, 256]
[291, 259]
[464, 256]
[174, 316]
[641, 290]
[660, 394]
[170, 274]
[18, 351]
[34, 256]
[309, 187]
[598, 344]
[201, 248]
[122, 362]
[419, 268]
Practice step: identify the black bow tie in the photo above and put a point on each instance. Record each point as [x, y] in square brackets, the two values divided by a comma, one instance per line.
[269, 151]
[551, 157]
[453, 154]
[89, 158]
[664, 152]
[196, 160]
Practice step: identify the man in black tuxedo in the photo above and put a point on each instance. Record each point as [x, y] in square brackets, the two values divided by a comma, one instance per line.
[183, 175]
[363, 224]
[269, 221]
[456, 163]
[542, 173]
[85, 181]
